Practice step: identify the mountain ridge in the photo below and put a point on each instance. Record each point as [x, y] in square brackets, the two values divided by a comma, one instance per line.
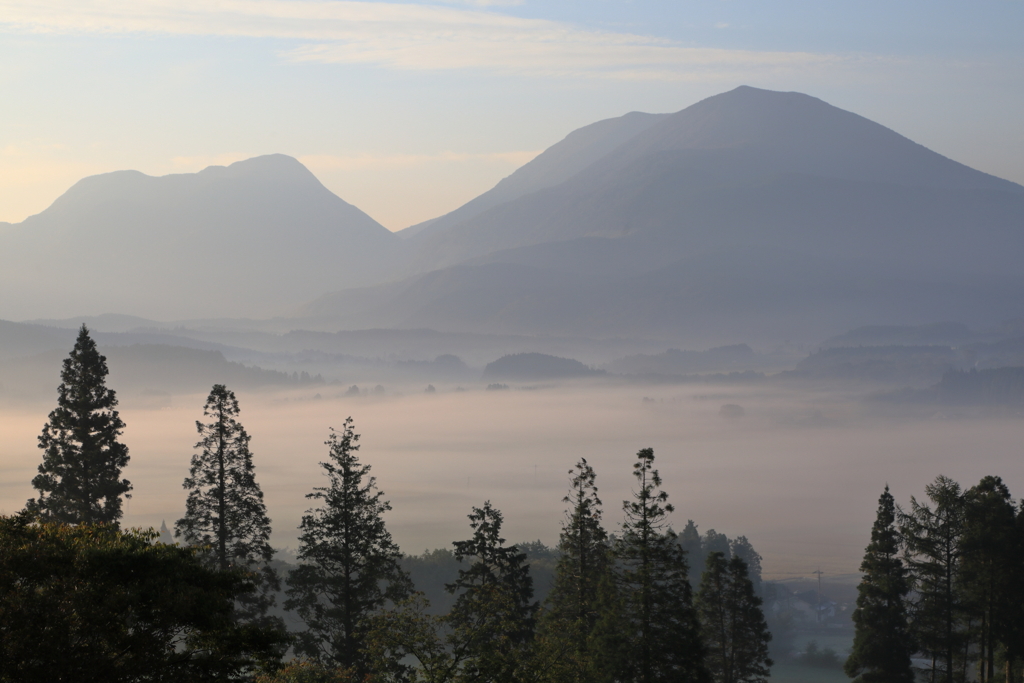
[263, 233]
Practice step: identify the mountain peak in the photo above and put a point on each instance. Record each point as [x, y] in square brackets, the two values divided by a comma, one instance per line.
[790, 132]
[268, 166]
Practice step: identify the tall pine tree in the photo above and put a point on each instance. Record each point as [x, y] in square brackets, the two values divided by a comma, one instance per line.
[495, 602]
[661, 622]
[349, 563]
[882, 644]
[572, 608]
[225, 508]
[79, 480]
[733, 626]
[992, 571]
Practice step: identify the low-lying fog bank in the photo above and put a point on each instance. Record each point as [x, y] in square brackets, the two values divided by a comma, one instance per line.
[796, 470]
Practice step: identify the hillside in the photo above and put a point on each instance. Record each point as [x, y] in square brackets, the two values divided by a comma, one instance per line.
[751, 215]
[250, 239]
[553, 166]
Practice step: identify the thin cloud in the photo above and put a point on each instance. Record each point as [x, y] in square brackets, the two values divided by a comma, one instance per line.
[407, 36]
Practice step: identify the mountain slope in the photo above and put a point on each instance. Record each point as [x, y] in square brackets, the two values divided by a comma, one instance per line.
[752, 214]
[250, 239]
[553, 166]
[755, 158]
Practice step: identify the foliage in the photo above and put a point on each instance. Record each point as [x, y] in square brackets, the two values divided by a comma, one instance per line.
[882, 643]
[79, 480]
[495, 601]
[300, 671]
[92, 603]
[660, 622]
[689, 539]
[824, 658]
[486, 637]
[992, 571]
[567, 626]
[225, 510]
[933, 540]
[733, 627]
[740, 547]
[350, 565]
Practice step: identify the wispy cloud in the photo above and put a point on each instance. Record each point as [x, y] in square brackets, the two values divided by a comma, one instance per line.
[407, 36]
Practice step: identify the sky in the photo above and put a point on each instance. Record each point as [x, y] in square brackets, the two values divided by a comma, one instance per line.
[408, 110]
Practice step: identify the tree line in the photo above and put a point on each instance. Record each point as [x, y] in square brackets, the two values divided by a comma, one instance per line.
[943, 580]
[84, 600]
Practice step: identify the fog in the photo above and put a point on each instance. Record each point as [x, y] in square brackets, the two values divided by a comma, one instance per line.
[799, 473]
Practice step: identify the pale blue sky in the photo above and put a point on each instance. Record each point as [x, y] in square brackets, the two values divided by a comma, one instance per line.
[408, 110]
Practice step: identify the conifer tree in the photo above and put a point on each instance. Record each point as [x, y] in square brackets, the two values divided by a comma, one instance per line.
[349, 563]
[933, 537]
[79, 480]
[689, 539]
[992, 569]
[495, 602]
[571, 615]
[1012, 636]
[732, 624]
[882, 644]
[741, 548]
[661, 622]
[225, 508]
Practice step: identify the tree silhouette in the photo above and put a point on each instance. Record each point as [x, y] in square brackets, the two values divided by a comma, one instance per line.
[79, 480]
[225, 508]
[350, 565]
[933, 538]
[495, 605]
[660, 620]
[882, 644]
[572, 613]
[735, 632]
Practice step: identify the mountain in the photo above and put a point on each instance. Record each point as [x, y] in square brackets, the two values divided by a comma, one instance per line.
[249, 239]
[553, 166]
[749, 167]
[749, 213]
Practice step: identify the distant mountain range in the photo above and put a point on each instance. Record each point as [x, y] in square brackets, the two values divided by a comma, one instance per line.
[750, 216]
[248, 240]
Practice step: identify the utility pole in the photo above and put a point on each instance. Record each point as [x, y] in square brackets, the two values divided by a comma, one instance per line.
[817, 614]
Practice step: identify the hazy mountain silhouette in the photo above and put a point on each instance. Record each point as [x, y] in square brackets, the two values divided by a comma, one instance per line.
[754, 166]
[750, 215]
[751, 211]
[553, 166]
[250, 239]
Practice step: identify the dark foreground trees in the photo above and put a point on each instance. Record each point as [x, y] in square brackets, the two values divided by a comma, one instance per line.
[572, 645]
[732, 624]
[660, 622]
[92, 603]
[225, 509]
[943, 580]
[933, 536]
[350, 564]
[79, 480]
[495, 607]
[487, 635]
[882, 643]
